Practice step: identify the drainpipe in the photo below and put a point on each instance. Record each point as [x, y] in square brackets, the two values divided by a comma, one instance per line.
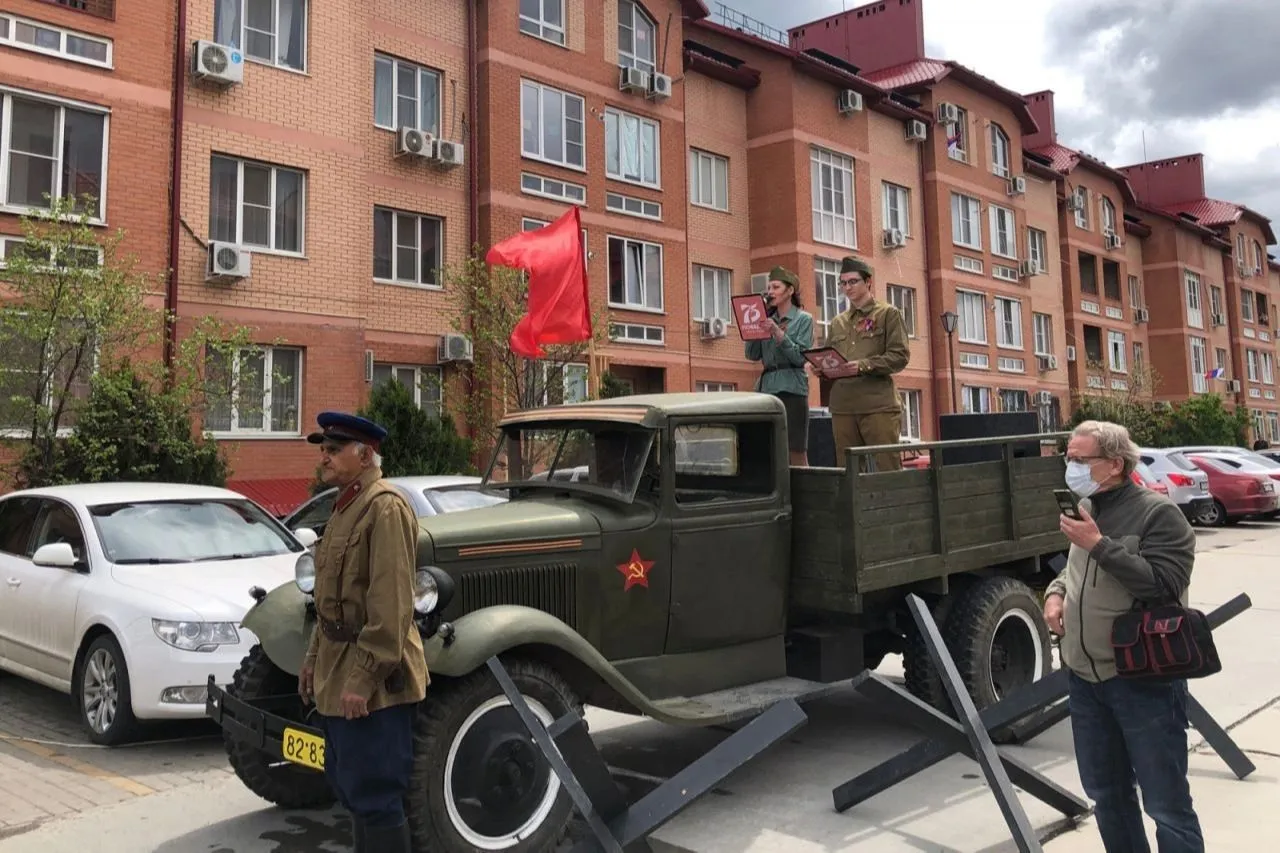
[473, 166]
[925, 197]
[175, 191]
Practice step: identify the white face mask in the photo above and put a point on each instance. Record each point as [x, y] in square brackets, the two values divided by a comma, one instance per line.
[1080, 479]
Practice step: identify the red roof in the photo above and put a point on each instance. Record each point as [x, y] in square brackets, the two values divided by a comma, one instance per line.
[1208, 211]
[1065, 160]
[914, 73]
[926, 72]
[278, 497]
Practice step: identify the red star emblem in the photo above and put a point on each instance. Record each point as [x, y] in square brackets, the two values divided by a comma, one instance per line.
[636, 571]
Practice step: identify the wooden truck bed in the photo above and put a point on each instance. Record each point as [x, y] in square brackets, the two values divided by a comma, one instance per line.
[855, 533]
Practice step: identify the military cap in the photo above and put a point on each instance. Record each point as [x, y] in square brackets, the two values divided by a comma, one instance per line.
[781, 273]
[340, 426]
[852, 264]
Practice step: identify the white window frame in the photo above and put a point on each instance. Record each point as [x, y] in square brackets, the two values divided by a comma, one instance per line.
[912, 403]
[428, 394]
[1251, 364]
[703, 387]
[642, 273]
[566, 123]
[896, 207]
[418, 219]
[1001, 151]
[1117, 351]
[240, 42]
[268, 373]
[1082, 212]
[623, 130]
[1268, 369]
[1108, 215]
[959, 129]
[239, 213]
[1008, 323]
[91, 370]
[577, 196]
[1135, 291]
[1194, 297]
[1199, 365]
[699, 162]
[7, 96]
[971, 394]
[719, 282]
[423, 76]
[65, 35]
[571, 373]
[966, 215]
[904, 299]
[971, 306]
[835, 222]
[830, 299]
[1038, 249]
[629, 13]
[9, 242]
[1004, 232]
[1246, 305]
[1042, 333]
[629, 205]
[540, 27]
[1273, 425]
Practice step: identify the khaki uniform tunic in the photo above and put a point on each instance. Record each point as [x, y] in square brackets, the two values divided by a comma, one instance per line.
[865, 409]
[364, 580]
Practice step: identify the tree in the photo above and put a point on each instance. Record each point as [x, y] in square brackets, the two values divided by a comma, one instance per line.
[612, 386]
[417, 442]
[1203, 419]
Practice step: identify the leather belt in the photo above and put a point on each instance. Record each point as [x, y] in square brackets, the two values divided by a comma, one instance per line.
[337, 631]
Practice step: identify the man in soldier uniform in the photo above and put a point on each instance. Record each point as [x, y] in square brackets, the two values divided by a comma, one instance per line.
[872, 337]
[365, 669]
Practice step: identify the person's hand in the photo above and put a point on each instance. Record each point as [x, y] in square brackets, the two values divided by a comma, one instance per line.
[776, 331]
[1084, 532]
[307, 682]
[354, 706]
[847, 369]
[1053, 614]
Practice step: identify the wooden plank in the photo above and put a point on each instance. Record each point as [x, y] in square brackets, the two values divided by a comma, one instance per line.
[1009, 487]
[977, 533]
[889, 481]
[896, 498]
[876, 519]
[973, 503]
[899, 541]
[901, 572]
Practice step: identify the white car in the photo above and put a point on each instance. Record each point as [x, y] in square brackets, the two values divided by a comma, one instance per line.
[128, 596]
[428, 494]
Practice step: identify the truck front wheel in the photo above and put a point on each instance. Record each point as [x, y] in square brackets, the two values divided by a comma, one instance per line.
[998, 638]
[479, 782]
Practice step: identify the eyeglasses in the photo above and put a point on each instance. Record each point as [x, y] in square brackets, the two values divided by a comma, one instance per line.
[1085, 458]
[849, 282]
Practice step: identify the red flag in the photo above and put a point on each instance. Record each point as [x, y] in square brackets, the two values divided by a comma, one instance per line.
[559, 306]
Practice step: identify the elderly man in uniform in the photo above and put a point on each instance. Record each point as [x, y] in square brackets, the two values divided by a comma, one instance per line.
[872, 337]
[365, 669]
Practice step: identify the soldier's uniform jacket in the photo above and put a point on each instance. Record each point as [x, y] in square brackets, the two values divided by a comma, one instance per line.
[364, 591]
[875, 336]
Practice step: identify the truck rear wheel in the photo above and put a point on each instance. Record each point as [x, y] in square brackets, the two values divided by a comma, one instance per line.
[479, 782]
[998, 639]
[269, 776]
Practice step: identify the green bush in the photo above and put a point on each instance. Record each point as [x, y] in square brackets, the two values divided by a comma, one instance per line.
[1203, 419]
[417, 443]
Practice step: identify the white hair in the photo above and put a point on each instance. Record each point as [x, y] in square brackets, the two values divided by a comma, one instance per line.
[377, 457]
[1113, 442]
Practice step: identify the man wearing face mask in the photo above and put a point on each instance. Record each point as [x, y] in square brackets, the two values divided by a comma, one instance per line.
[1129, 545]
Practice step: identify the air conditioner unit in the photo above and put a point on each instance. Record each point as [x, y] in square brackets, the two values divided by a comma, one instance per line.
[415, 143]
[1043, 398]
[1218, 319]
[849, 101]
[1141, 315]
[1234, 386]
[447, 153]
[227, 262]
[660, 86]
[948, 113]
[368, 365]
[454, 347]
[1047, 362]
[217, 63]
[1075, 202]
[1071, 353]
[1112, 240]
[633, 80]
[1017, 185]
[714, 327]
[1028, 268]
[894, 238]
[917, 131]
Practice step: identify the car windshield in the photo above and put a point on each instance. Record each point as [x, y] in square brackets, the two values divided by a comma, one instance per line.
[602, 458]
[139, 532]
[1146, 473]
[1181, 461]
[459, 500]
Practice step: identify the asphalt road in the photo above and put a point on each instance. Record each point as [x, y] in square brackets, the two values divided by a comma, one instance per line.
[175, 793]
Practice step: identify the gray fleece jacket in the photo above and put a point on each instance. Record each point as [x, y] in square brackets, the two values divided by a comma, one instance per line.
[1146, 554]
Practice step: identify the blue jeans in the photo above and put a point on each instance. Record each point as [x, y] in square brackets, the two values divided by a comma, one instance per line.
[368, 761]
[1127, 732]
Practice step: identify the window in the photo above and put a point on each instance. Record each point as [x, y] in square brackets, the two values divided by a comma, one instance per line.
[1264, 310]
[1139, 357]
[54, 41]
[1038, 249]
[552, 123]
[637, 37]
[17, 518]
[1257, 258]
[1088, 273]
[1008, 323]
[897, 208]
[1241, 255]
[1003, 241]
[709, 462]
[531, 184]
[711, 289]
[77, 257]
[1014, 400]
[1093, 346]
[1215, 305]
[254, 391]
[1199, 384]
[1220, 358]
[31, 371]
[972, 308]
[1042, 326]
[1108, 216]
[1111, 280]
[708, 180]
[1268, 368]
[831, 177]
[635, 274]
[911, 403]
[831, 302]
[1118, 350]
[966, 222]
[637, 333]
[543, 19]
[407, 247]
[1195, 310]
[999, 151]
[1135, 291]
[632, 206]
[1246, 305]
[631, 146]
[1251, 360]
[1273, 424]
[904, 299]
[50, 147]
[1050, 415]
[98, 8]
[1081, 199]
[716, 386]
[557, 383]
[256, 204]
[958, 137]
[405, 95]
[975, 400]
[424, 383]
[270, 31]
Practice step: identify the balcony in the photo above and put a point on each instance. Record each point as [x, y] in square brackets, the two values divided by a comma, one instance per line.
[98, 8]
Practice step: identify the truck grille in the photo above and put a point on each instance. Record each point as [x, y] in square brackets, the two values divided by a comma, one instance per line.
[551, 588]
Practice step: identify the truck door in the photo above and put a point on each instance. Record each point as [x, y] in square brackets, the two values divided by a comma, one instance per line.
[731, 533]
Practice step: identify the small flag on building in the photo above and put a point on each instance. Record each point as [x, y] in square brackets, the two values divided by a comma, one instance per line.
[1216, 373]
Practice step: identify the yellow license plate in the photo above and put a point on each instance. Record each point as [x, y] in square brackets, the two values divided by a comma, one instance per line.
[303, 748]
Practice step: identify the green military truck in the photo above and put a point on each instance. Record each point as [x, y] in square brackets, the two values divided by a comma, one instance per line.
[659, 557]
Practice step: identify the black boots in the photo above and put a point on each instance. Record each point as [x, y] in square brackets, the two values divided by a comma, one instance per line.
[384, 839]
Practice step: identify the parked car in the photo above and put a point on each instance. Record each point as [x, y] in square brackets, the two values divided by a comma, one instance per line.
[128, 596]
[1235, 452]
[1240, 462]
[1142, 475]
[1188, 486]
[1237, 493]
[428, 495]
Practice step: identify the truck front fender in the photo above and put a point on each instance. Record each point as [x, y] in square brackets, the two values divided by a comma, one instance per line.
[283, 624]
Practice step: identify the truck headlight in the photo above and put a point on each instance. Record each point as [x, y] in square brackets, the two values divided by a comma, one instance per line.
[304, 572]
[432, 589]
[195, 636]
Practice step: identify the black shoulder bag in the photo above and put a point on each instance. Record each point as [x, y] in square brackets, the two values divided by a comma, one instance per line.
[1166, 642]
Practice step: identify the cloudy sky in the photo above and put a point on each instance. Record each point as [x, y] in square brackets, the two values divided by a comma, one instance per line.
[1188, 75]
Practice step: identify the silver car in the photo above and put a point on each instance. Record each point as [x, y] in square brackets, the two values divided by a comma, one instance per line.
[1188, 485]
[428, 495]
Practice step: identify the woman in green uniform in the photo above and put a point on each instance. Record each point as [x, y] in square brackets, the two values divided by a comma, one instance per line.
[782, 355]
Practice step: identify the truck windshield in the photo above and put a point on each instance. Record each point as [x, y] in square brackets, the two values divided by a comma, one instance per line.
[604, 458]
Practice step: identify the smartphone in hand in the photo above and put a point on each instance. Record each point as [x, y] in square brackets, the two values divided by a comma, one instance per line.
[1068, 502]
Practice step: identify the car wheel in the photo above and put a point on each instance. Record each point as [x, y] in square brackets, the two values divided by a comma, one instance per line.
[101, 691]
[1213, 515]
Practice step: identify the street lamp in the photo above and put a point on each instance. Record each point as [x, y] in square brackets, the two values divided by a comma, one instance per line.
[949, 320]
